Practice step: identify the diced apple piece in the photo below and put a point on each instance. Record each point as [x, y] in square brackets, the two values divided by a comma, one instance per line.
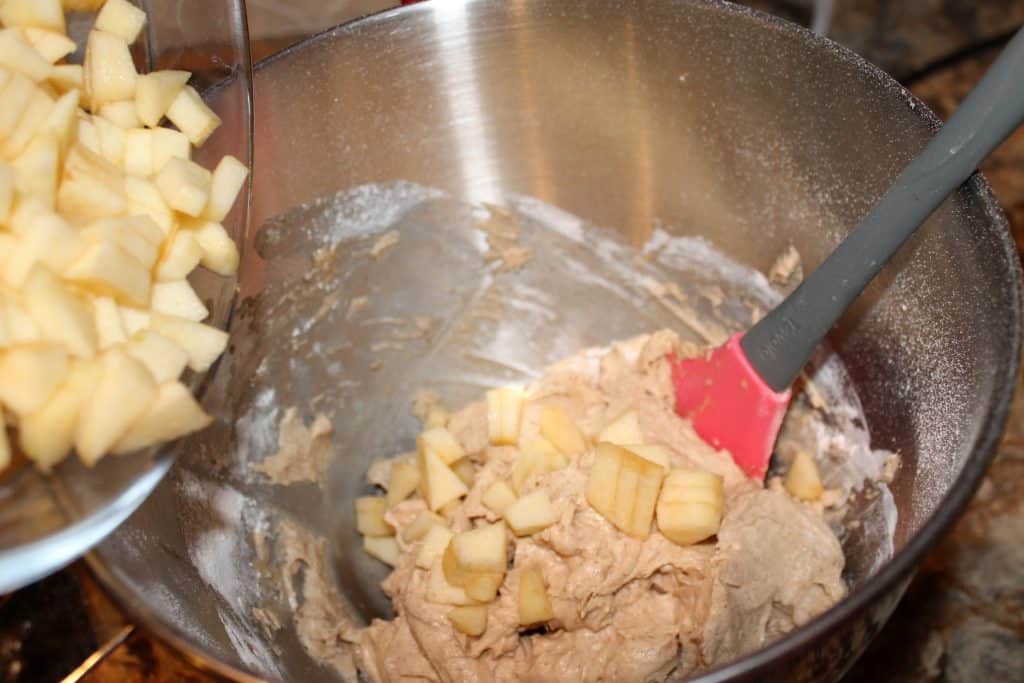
[17, 55]
[180, 258]
[192, 117]
[440, 592]
[465, 470]
[112, 139]
[453, 572]
[202, 343]
[16, 96]
[36, 169]
[47, 435]
[59, 315]
[382, 548]
[109, 70]
[174, 413]
[109, 270]
[439, 485]
[434, 543]
[534, 605]
[138, 152]
[483, 587]
[68, 77]
[443, 443]
[498, 497]
[504, 414]
[91, 188]
[690, 506]
[405, 478]
[421, 526]
[623, 488]
[557, 427]
[62, 121]
[184, 185]
[802, 480]
[164, 359]
[122, 114]
[46, 14]
[51, 45]
[86, 134]
[6, 191]
[623, 430]
[370, 516]
[169, 144]
[228, 180]
[220, 254]
[652, 452]
[531, 514]
[122, 19]
[154, 93]
[44, 237]
[35, 115]
[107, 318]
[178, 299]
[123, 394]
[144, 198]
[437, 417]
[134, 319]
[126, 234]
[471, 619]
[30, 374]
[20, 328]
[483, 549]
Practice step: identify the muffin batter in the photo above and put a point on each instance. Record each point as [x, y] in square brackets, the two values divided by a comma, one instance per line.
[624, 609]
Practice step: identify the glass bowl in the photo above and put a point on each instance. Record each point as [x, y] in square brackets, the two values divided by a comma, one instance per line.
[46, 521]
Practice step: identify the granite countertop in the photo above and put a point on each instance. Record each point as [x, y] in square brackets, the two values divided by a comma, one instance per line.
[963, 616]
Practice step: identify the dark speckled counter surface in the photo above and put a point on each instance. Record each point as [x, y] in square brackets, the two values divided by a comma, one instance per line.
[962, 618]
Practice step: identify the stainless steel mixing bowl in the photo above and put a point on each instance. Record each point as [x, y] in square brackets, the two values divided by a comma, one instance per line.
[695, 118]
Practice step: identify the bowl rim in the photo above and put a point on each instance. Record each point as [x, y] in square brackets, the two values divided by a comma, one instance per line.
[903, 563]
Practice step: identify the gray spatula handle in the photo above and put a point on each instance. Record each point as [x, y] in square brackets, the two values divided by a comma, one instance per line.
[779, 345]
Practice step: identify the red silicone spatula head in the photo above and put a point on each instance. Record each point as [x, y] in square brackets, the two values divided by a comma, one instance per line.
[729, 404]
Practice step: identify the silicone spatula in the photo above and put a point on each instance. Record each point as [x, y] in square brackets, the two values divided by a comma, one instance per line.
[736, 394]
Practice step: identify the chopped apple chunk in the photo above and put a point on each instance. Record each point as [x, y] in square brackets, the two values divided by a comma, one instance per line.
[504, 415]
[405, 479]
[421, 526]
[192, 117]
[435, 541]
[109, 69]
[370, 516]
[123, 393]
[121, 18]
[498, 497]
[438, 484]
[557, 427]
[464, 470]
[484, 549]
[443, 443]
[172, 414]
[690, 506]
[623, 430]
[30, 374]
[531, 514]
[383, 548]
[48, 434]
[623, 488]
[154, 93]
[802, 480]
[471, 619]
[533, 602]
[439, 591]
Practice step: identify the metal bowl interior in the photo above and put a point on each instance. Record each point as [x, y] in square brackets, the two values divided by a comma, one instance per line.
[47, 521]
[695, 119]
